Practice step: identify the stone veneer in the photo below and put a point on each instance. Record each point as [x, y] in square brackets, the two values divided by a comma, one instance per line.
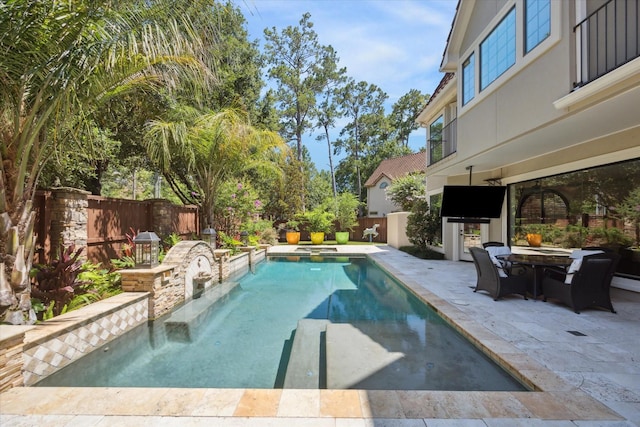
[11, 348]
[189, 266]
[69, 218]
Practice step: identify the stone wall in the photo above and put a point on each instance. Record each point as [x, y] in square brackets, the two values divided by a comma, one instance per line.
[11, 361]
[68, 218]
[162, 214]
[164, 290]
[188, 268]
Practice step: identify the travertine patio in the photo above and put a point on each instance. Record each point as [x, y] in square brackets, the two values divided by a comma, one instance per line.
[589, 379]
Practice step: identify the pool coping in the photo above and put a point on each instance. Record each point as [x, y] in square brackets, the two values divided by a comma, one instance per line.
[552, 398]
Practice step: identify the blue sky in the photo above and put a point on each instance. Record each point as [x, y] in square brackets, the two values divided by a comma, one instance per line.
[394, 44]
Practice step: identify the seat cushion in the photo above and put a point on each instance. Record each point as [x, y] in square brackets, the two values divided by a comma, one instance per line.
[577, 262]
[495, 251]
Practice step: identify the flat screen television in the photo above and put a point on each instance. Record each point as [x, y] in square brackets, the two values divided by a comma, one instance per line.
[472, 201]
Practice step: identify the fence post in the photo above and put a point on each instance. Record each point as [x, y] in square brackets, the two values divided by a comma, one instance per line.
[69, 219]
[161, 217]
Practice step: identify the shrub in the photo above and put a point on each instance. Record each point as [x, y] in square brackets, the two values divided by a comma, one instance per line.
[97, 284]
[406, 191]
[345, 208]
[422, 224]
[320, 220]
[228, 242]
[56, 283]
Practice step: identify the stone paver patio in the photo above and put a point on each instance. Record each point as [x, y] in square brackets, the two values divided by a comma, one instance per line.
[589, 379]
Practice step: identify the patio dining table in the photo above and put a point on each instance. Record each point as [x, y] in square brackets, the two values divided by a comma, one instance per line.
[538, 262]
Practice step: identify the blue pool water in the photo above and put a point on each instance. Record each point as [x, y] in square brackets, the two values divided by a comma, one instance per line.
[241, 336]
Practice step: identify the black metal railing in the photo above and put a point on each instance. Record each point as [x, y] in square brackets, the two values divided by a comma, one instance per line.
[444, 144]
[606, 39]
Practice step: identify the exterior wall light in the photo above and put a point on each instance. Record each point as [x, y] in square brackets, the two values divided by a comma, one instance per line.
[208, 235]
[244, 238]
[147, 249]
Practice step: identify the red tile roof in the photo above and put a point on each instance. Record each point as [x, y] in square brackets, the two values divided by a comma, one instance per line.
[398, 167]
[445, 80]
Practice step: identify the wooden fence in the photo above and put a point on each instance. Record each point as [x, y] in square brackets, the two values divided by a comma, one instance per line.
[364, 223]
[110, 220]
[101, 224]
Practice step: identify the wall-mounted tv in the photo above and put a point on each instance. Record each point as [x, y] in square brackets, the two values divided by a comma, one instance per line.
[472, 201]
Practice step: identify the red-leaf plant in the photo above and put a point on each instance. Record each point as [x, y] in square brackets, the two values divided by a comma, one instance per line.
[58, 281]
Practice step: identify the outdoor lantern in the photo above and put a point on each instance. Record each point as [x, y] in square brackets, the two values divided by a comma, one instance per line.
[244, 237]
[147, 249]
[208, 235]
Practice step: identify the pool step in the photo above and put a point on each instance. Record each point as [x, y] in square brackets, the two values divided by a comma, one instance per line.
[353, 357]
[305, 368]
[182, 324]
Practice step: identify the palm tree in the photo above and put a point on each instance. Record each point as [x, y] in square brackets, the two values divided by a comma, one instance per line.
[60, 60]
[201, 151]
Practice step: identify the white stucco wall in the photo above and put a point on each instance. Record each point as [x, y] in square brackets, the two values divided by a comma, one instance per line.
[397, 229]
[377, 204]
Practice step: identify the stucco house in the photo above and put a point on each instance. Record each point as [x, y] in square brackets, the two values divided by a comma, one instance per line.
[541, 97]
[389, 169]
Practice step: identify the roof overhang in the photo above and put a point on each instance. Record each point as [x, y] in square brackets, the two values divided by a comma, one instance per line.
[451, 55]
[446, 95]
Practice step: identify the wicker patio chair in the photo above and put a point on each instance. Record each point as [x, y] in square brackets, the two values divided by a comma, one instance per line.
[487, 244]
[588, 286]
[492, 281]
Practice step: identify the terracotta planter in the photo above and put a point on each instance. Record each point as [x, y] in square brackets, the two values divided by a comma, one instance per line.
[293, 237]
[317, 237]
[534, 239]
[342, 237]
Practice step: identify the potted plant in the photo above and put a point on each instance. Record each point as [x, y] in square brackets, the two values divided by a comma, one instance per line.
[534, 239]
[292, 232]
[346, 213]
[320, 223]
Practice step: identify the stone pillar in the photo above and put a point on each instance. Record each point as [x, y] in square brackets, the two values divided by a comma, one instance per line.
[166, 291]
[252, 254]
[11, 360]
[161, 215]
[69, 218]
[224, 266]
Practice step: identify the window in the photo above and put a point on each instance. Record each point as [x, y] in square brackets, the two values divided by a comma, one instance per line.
[573, 210]
[537, 18]
[498, 50]
[468, 84]
[383, 185]
[435, 141]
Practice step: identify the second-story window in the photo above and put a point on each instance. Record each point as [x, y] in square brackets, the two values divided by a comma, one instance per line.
[436, 152]
[537, 19]
[498, 50]
[468, 82]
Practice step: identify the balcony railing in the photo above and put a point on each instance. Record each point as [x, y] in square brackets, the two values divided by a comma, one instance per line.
[444, 144]
[607, 38]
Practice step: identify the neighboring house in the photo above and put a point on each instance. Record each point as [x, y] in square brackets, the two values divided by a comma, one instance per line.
[543, 97]
[377, 203]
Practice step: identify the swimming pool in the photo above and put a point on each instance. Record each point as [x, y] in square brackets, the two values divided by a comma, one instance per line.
[241, 335]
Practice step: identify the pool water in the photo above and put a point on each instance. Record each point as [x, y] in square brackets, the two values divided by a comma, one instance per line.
[240, 334]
